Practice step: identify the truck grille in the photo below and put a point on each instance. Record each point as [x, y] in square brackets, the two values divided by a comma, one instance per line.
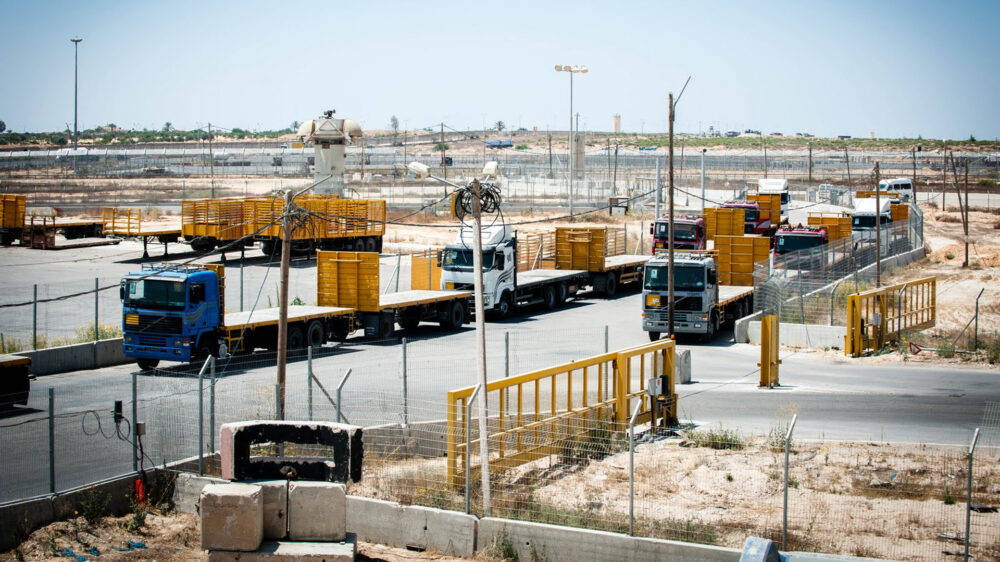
[155, 341]
[688, 303]
[156, 324]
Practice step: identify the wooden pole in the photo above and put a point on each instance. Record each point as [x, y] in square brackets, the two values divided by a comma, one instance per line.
[444, 169]
[477, 263]
[810, 163]
[286, 254]
[670, 212]
[847, 161]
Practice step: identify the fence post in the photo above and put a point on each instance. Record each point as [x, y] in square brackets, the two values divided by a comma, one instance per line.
[52, 441]
[506, 370]
[34, 318]
[277, 402]
[784, 521]
[201, 419]
[399, 258]
[975, 336]
[406, 413]
[968, 497]
[468, 446]
[339, 388]
[631, 469]
[309, 383]
[135, 412]
[211, 407]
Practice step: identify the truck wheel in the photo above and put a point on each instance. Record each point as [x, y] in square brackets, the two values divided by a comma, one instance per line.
[563, 293]
[387, 327]
[315, 335]
[371, 245]
[268, 247]
[504, 305]
[359, 245]
[203, 351]
[713, 326]
[6, 239]
[409, 318]
[147, 364]
[296, 338]
[549, 298]
[456, 316]
[611, 285]
[654, 336]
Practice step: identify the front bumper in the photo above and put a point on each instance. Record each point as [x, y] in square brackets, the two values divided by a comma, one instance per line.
[684, 322]
[153, 346]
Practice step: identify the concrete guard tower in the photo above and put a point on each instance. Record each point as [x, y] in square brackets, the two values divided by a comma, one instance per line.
[330, 138]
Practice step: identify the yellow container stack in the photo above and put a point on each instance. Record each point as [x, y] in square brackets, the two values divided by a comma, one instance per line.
[737, 256]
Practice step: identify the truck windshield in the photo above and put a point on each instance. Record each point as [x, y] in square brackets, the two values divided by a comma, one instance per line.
[794, 242]
[686, 278]
[156, 294]
[460, 259]
[681, 231]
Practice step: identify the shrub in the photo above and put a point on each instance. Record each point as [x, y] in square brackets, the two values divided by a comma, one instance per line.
[987, 183]
[946, 350]
[94, 506]
[521, 147]
[718, 438]
[949, 256]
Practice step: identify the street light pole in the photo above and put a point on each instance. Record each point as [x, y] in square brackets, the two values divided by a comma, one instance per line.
[572, 141]
[76, 45]
[670, 222]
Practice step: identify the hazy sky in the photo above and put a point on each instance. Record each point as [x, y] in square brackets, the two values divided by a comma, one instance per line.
[827, 68]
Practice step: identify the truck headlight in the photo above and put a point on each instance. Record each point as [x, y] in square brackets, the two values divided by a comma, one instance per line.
[177, 343]
[128, 338]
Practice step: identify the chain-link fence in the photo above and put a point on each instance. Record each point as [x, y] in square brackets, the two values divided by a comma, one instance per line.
[810, 286]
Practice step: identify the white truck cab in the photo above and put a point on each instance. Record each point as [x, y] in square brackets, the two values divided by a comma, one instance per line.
[902, 187]
[776, 187]
[499, 262]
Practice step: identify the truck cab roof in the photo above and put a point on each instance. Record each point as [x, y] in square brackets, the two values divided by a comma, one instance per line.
[867, 206]
[769, 185]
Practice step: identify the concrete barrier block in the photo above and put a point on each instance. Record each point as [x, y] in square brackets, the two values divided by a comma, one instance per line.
[187, 491]
[275, 497]
[317, 511]
[232, 517]
[345, 441]
[421, 528]
[682, 366]
[556, 544]
[757, 549]
[271, 551]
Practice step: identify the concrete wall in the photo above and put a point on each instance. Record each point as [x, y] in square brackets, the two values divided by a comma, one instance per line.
[803, 335]
[76, 357]
[741, 330]
[413, 527]
[555, 543]
[422, 439]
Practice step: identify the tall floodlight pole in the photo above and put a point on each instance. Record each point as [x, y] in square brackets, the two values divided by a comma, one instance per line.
[574, 69]
[76, 45]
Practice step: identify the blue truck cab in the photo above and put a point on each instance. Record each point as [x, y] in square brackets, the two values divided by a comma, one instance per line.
[171, 314]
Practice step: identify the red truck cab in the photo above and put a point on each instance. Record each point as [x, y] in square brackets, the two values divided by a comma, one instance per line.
[754, 221]
[689, 233]
[794, 238]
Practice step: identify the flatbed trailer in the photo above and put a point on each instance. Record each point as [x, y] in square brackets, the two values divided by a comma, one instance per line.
[14, 381]
[728, 294]
[307, 325]
[350, 280]
[39, 232]
[599, 252]
[127, 223]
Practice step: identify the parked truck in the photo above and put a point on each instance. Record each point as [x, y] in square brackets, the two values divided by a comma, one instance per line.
[514, 277]
[178, 313]
[14, 380]
[689, 233]
[12, 208]
[755, 221]
[867, 214]
[778, 187]
[701, 304]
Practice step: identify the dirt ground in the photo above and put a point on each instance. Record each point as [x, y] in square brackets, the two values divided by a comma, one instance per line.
[166, 538]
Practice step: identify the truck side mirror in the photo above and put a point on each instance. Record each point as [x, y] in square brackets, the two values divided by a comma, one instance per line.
[651, 225]
[439, 258]
[712, 277]
[121, 291]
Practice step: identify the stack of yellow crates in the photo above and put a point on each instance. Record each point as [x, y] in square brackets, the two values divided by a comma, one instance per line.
[837, 226]
[737, 256]
[770, 206]
[900, 212]
[723, 222]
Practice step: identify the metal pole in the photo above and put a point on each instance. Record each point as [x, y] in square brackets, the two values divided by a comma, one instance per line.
[76, 134]
[211, 406]
[278, 414]
[477, 264]
[631, 469]
[399, 258]
[309, 382]
[571, 139]
[468, 447]
[52, 441]
[703, 180]
[968, 492]
[975, 333]
[340, 387]
[784, 523]
[833, 294]
[34, 318]
[878, 230]
[659, 195]
[242, 260]
[670, 226]
[97, 325]
[607, 376]
[201, 419]
[406, 412]
[135, 415]
[506, 369]
[899, 314]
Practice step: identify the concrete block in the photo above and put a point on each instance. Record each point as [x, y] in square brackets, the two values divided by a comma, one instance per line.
[422, 528]
[757, 549]
[18, 520]
[187, 491]
[682, 366]
[271, 551]
[232, 517]
[556, 544]
[317, 511]
[345, 440]
[275, 497]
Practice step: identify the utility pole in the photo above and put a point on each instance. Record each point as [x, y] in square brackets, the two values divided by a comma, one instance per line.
[878, 229]
[848, 162]
[913, 156]
[763, 145]
[703, 180]
[810, 163]
[76, 46]
[944, 173]
[211, 160]
[477, 264]
[670, 212]
[614, 177]
[286, 254]
[550, 156]
[444, 169]
[966, 221]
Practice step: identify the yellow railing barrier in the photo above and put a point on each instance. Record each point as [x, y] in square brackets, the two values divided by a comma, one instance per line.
[769, 348]
[877, 316]
[552, 406]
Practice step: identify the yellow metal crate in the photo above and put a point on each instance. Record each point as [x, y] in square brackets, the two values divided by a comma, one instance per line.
[348, 280]
[12, 207]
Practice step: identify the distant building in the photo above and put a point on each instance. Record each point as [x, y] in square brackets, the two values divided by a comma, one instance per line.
[617, 124]
[844, 137]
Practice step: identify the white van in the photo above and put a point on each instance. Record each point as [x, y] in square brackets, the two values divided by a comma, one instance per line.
[903, 187]
[775, 187]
